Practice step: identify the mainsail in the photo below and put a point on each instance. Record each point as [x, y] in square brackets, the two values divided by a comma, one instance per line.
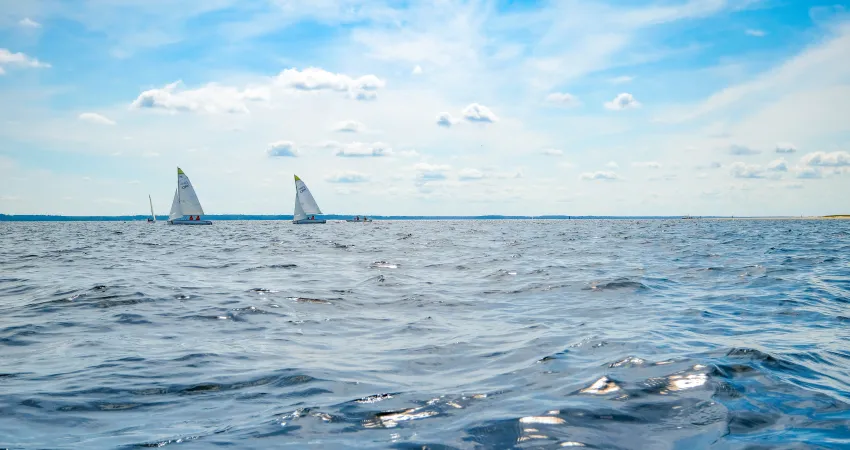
[305, 204]
[185, 201]
[153, 216]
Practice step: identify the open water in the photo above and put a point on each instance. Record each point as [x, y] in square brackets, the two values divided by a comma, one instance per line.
[619, 334]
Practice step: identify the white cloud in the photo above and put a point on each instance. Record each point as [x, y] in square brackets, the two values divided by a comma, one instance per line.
[417, 70]
[612, 164]
[740, 150]
[446, 120]
[756, 33]
[349, 126]
[26, 22]
[407, 153]
[426, 172]
[817, 66]
[563, 99]
[808, 172]
[552, 152]
[479, 113]
[823, 159]
[19, 59]
[743, 170]
[361, 149]
[779, 165]
[785, 147]
[282, 148]
[211, 98]
[622, 79]
[599, 175]
[150, 154]
[648, 164]
[470, 175]
[347, 176]
[315, 79]
[622, 102]
[96, 118]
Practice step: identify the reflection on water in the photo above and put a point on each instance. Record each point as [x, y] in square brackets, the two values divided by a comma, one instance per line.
[443, 335]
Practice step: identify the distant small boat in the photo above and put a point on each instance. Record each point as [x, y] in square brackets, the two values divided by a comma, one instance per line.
[688, 217]
[305, 205]
[152, 218]
[359, 219]
[186, 208]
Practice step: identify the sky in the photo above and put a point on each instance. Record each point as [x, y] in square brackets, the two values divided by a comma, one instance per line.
[440, 107]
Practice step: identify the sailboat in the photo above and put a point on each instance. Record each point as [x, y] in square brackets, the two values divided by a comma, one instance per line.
[305, 205]
[152, 218]
[185, 208]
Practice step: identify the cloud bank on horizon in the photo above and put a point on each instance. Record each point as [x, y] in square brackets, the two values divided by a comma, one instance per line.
[441, 107]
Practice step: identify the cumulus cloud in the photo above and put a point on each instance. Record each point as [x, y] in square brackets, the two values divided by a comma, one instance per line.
[756, 33]
[470, 175]
[349, 126]
[19, 59]
[347, 176]
[711, 165]
[211, 98]
[446, 120]
[785, 147]
[96, 118]
[562, 99]
[479, 113]
[431, 172]
[282, 148]
[743, 170]
[808, 172]
[362, 150]
[26, 22]
[740, 150]
[648, 164]
[622, 102]
[417, 70]
[599, 175]
[315, 79]
[779, 165]
[552, 152]
[823, 159]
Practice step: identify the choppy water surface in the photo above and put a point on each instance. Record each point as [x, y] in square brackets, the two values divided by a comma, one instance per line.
[471, 334]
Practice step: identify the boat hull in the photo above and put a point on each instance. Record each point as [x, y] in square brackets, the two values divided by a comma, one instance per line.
[309, 221]
[189, 222]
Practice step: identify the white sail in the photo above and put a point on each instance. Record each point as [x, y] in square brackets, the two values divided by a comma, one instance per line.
[176, 212]
[305, 204]
[189, 203]
[153, 216]
[299, 211]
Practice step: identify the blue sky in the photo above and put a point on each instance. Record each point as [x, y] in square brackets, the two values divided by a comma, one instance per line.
[427, 107]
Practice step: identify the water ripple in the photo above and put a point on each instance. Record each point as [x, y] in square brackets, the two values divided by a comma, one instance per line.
[622, 334]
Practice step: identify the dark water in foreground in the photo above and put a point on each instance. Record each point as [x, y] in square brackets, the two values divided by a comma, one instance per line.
[474, 334]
